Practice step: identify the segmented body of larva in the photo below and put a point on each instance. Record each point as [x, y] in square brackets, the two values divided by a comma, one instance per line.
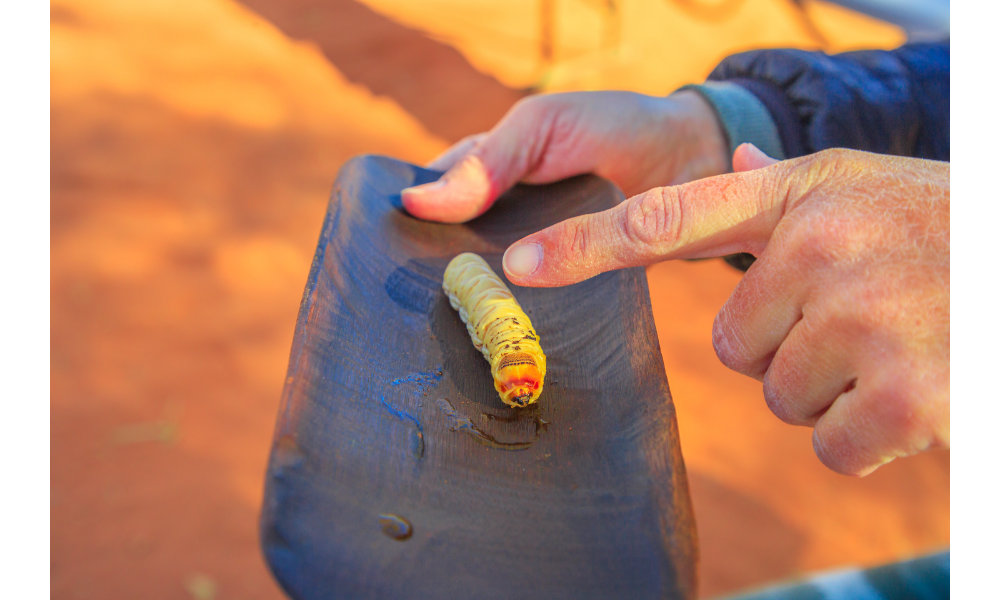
[498, 328]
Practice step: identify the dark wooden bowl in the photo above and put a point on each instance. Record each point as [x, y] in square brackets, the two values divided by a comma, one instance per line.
[396, 472]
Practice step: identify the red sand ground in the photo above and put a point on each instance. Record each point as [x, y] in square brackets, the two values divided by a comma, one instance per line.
[193, 146]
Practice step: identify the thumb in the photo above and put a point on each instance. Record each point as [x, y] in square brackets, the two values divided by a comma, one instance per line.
[705, 218]
[493, 163]
[748, 157]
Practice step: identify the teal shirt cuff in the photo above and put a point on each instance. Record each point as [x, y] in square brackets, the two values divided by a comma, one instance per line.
[743, 117]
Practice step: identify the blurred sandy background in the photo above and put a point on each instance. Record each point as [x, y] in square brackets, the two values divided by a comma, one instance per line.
[193, 146]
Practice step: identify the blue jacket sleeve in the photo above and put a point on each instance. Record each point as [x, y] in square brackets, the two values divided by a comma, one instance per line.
[890, 102]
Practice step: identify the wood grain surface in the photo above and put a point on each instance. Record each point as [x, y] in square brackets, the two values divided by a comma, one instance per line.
[396, 472]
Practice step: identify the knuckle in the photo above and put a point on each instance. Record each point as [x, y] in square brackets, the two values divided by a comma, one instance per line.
[719, 343]
[804, 242]
[779, 395]
[527, 104]
[536, 107]
[834, 450]
[525, 111]
[827, 163]
[844, 452]
[577, 240]
[654, 219]
[818, 242]
[723, 340]
[832, 155]
[807, 173]
[534, 121]
[734, 340]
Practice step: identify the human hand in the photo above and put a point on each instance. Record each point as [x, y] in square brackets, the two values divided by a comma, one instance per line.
[845, 314]
[638, 142]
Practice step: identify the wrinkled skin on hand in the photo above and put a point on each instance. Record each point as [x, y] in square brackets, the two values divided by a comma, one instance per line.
[639, 142]
[844, 316]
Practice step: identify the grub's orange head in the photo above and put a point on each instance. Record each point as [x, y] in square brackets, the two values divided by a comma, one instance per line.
[519, 379]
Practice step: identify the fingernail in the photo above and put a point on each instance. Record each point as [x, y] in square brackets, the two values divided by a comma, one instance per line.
[522, 260]
[427, 187]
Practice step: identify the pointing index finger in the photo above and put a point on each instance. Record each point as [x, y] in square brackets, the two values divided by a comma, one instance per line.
[709, 217]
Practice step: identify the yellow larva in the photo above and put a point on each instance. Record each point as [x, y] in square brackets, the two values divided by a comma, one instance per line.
[498, 328]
